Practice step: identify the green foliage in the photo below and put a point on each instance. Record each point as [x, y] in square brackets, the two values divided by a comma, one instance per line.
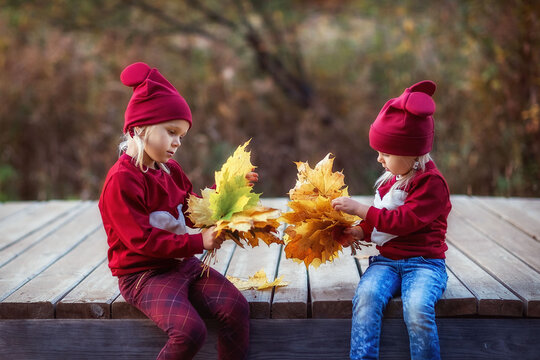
[233, 197]
[301, 78]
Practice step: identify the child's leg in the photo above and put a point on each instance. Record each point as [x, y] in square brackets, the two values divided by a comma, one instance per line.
[163, 297]
[424, 281]
[218, 297]
[376, 287]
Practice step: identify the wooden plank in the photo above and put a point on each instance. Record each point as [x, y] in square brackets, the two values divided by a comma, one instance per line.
[291, 301]
[332, 287]
[245, 263]
[492, 297]
[504, 266]
[223, 256]
[38, 297]
[522, 213]
[92, 298]
[122, 310]
[25, 222]
[12, 208]
[276, 203]
[456, 300]
[500, 231]
[32, 262]
[460, 338]
[16, 249]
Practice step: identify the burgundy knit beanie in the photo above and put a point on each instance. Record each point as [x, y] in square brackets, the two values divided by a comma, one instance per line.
[404, 125]
[154, 99]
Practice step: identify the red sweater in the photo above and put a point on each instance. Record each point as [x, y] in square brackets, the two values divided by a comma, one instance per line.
[420, 223]
[131, 201]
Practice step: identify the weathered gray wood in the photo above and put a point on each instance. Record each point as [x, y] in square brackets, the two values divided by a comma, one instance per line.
[456, 300]
[122, 310]
[517, 276]
[92, 298]
[500, 231]
[25, 222]
[303, 339]
[291, 301]
[24, 244]
[493, 298]
[32, 262]
[499, 292]
[223, 256]
[38, 297]
[246, 262]
[332, 287]
[276, 203]
[523, 213]
[12, 208]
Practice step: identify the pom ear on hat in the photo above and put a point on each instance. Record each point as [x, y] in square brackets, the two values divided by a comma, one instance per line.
[420, 104]
[135, 74]
[426, 86]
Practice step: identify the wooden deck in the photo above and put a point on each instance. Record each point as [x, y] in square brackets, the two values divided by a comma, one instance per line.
[59, 300]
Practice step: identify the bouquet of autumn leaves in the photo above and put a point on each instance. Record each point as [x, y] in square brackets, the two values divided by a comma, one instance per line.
[314, 225]
[234, 208]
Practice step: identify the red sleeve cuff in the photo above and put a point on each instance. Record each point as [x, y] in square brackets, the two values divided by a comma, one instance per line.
[372, 215]
[196, 243]
[368, 229]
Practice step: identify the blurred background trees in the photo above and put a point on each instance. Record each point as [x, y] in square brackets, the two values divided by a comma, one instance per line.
[301, 78]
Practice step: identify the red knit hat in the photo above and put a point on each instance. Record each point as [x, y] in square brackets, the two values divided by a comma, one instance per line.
[154, 99]
[404, 125]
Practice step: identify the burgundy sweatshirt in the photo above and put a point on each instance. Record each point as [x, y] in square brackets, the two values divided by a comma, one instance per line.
[420, 223]
[143, 217]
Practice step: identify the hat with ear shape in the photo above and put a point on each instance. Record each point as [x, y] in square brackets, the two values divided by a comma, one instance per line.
[154, 99]
[404, 125]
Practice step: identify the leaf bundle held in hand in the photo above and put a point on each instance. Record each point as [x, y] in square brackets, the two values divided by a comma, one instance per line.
[308, 237]
[233, 207]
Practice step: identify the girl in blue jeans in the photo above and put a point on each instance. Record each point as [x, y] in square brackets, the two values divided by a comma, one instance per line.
[407, 222]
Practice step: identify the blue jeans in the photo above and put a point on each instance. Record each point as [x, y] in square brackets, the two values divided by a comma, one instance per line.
[421, 281]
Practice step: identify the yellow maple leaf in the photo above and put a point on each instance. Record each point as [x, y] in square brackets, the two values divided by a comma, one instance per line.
[238, 164]
[200, 213]
[258, 281]
[312, 219]
[319, 181]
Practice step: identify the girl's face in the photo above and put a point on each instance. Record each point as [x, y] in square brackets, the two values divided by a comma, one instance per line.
[163, 141]
[396, 164]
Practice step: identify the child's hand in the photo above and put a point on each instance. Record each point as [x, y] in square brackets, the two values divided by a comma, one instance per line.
[339, 235]
[210, 241]
[356, 232]
[252, 177]
[350, 206]
[345, 204]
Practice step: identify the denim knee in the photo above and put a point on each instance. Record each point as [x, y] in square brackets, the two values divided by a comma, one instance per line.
[369, 300]
[419, 315]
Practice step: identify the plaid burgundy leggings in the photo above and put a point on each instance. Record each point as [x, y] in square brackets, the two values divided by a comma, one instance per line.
[175, 299]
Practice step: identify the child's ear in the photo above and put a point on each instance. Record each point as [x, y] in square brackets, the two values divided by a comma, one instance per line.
[139, 131]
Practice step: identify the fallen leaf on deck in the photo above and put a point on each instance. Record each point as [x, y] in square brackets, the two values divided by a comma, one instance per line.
[259, 281]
